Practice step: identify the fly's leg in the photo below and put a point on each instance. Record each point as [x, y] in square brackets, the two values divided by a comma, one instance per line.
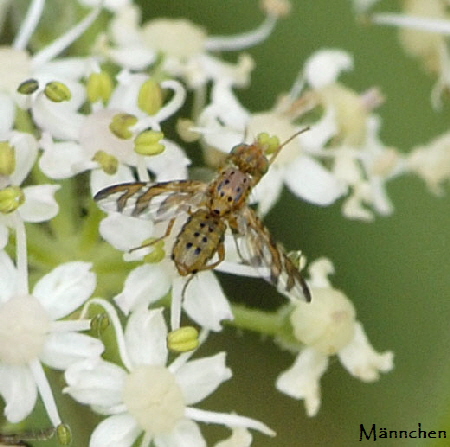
[154, 241]
[177, 299]
[221, 253]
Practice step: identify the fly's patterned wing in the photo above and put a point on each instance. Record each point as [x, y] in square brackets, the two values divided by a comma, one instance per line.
[154, 201]
[257, 248]
[19, 440]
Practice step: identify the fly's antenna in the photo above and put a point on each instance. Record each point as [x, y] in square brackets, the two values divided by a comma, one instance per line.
[286, 142]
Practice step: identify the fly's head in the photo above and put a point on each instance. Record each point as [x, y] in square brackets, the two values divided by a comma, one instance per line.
[251, 159]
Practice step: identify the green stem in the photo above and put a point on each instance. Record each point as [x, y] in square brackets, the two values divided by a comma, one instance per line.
[268, 323]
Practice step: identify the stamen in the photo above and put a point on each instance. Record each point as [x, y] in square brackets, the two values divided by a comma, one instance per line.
[244, 40]
[59, 45]
[441, 26]
[28, 27]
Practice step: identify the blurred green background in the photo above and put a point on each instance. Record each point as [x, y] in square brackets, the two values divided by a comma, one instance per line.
[395, 270]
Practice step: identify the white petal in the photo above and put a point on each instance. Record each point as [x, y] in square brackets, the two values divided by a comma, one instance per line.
[8, 277]
[205, 301]
[229, 420]
[60, 119]
[3, 239]
[201, 377]
[95, 135]
[100, 179]
[169, 165]
[240, 437]
[185, 434]
[302, 379]
[133, 57]
[318, 135]
[66, 69]
[144, 285]
[95, 382]
[151, 327]
[268, 190]
[63, 160]
[61, 349]
[324, 66]
[7, 114]
[362, 361]
[26, 151]
[19, 391]
[125, 233]
[115, 431]
[65, 288]
[126, 93]
[309, 180]
[40, 204]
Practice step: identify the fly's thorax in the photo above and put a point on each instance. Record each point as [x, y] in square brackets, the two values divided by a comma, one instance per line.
[250, 158]
[198, 241]
[229, 191]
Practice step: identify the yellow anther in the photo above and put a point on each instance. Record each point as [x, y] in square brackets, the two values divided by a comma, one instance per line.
[121, 124]
[11, 198]
[99, 87]
[150, 97]
[185, 132]
[157, 254]
[148, 143]
[108, 162]
[100, 323]
[57, 92]
[28, 87]
[64, 434]
[269, 143]
[7, 159]
[183, 339]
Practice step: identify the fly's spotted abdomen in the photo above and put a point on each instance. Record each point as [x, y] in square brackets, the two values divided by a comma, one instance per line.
[200, 238]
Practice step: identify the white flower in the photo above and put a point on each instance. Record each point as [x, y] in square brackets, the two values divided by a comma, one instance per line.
[185, 46]
[18, 65]
[112, 5]
[31, 333]
[34, 203]
[240, 437]
[431, 162]
[203, 299]
[423, 29]
[148, 396]
[327, 327]
[87, 135]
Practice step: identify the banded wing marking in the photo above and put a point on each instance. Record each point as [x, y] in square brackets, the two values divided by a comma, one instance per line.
[257, 248]
[154, 201]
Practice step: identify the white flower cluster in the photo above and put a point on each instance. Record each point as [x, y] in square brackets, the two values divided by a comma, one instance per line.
[72, 126]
